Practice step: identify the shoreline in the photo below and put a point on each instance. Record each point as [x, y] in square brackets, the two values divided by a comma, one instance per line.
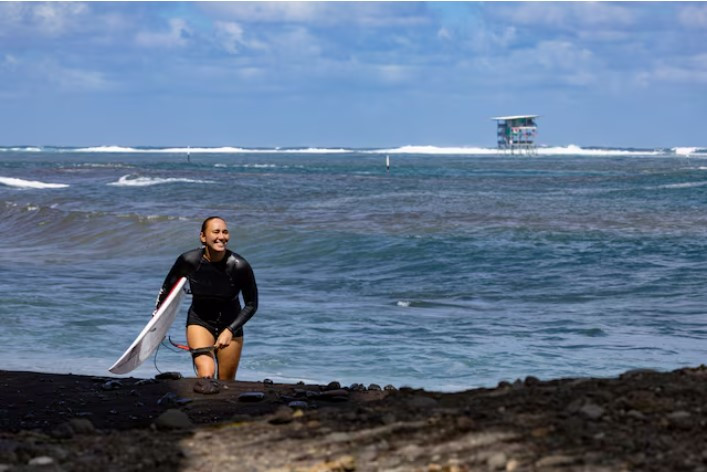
[640, 420]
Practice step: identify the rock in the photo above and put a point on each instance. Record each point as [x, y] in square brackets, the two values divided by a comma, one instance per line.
[142, 382]
[421, 402]
[251, 397]
[592, 411]
[357, 387]
[72, 427]
[333, 386]
[168, 376]
[374, 387]
[170, 399]
[173, 419]
[207, 386]
[112, 385]
[531, 381]
[268, 382]
[41, 461]
[680, 419]
[636, 373]
[301, 404]
[82, 426]
[497, 461]
[555, 461]
[389, 387]
[334, 395]
[282, 415]
[464, 423]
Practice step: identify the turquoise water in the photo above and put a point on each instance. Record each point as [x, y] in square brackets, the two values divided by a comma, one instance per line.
[446, 272]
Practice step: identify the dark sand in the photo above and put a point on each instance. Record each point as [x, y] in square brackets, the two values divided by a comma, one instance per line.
[642, 421]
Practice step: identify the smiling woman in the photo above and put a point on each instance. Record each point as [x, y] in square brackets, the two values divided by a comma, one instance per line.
[217, 277]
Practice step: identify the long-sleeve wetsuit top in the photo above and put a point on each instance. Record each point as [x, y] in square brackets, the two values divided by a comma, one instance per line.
[215, 287]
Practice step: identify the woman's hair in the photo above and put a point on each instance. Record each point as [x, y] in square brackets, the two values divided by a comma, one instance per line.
[206, 222]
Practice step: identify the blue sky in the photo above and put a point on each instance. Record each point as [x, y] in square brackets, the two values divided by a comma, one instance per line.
[366, 74]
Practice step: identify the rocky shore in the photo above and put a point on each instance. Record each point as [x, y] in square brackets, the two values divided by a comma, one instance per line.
[641, 421]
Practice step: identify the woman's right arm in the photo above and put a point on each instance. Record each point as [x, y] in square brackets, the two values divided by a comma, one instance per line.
[183, 266]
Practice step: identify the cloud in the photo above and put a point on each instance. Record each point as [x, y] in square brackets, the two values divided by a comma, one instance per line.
[231, 36]
[177, 36]
[570, 15]
[693, 16]
[319, 13]
[45, 19]
[295, 42]
[78, 80]
[689, 70]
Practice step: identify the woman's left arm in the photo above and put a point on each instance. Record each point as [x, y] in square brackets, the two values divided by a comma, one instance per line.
[249, 289]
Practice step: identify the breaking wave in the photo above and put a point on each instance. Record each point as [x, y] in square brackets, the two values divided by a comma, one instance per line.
[21, 183]
[137, 181]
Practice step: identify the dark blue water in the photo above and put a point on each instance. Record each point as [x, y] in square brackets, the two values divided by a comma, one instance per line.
[446, 272]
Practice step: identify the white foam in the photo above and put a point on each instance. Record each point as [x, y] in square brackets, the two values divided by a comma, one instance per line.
[436, 150]
[107, 149]
[22, 149]
[404, 303]
[684, 185]
[211, 150]
[132, 181]
[408, 149]
[685, 151]
[21, 183]
[571, 150]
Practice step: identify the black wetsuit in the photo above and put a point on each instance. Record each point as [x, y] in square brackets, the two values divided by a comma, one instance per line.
[215, 287]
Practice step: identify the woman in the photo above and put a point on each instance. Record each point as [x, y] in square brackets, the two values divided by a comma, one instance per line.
[215, 320]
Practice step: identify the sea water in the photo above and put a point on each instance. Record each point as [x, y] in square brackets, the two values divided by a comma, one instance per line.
[452, 269]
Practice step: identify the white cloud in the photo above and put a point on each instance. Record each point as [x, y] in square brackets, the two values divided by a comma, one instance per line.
[318, 13]
[561, 55]
[393, 73]
[79, 80]
[44, 19]
[57, 18]
[570, 15]
[693, 16]
[444, 34]
[178, 35]
[690, 70]
[232, 37]
[9, 61]
[295, 42]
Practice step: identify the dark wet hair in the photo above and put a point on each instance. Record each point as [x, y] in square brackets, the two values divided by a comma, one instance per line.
[206, 222]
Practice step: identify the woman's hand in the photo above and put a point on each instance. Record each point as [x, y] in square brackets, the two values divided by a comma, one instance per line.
[224, 339]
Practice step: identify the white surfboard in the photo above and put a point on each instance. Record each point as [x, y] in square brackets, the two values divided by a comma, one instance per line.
[152, 335]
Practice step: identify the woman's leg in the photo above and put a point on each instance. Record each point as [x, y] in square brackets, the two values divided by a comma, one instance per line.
[228, 359]
[199, 337]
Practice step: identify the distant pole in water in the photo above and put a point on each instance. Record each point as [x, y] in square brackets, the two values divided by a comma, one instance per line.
[387, 163]
[188, 153]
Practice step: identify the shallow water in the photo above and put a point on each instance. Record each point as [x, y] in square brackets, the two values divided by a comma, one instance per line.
[446, 272]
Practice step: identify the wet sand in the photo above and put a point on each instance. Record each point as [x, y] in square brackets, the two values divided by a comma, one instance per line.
[642, 420]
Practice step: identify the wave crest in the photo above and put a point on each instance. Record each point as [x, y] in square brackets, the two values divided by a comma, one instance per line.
[138, 181]
[21, 183]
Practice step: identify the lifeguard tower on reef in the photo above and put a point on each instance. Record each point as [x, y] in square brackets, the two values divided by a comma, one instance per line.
[517, 133]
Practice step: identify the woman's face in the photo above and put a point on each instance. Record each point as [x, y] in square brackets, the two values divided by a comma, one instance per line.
[216, 235]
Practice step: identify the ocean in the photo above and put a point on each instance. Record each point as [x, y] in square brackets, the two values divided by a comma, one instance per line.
[455, 268]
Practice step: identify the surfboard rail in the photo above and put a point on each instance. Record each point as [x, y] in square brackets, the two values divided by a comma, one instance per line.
[152, 334]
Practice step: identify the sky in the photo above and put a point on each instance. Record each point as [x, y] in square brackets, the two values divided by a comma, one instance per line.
[348, 74]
